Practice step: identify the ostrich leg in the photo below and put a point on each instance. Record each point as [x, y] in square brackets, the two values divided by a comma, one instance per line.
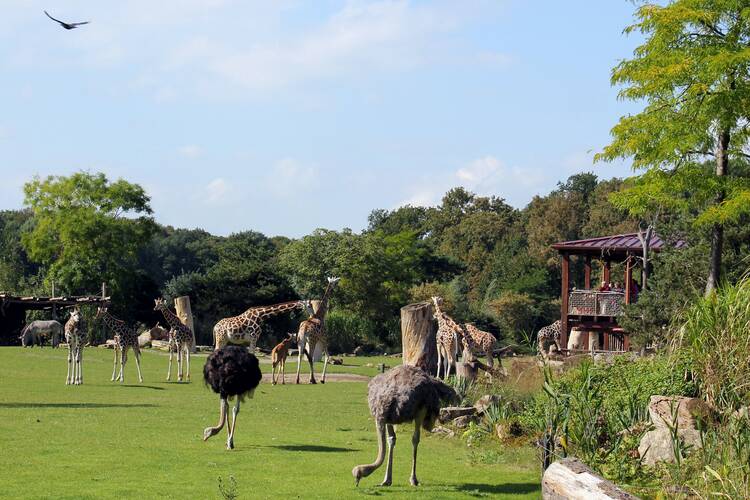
[210, 431]
[360, 471]
[235, 411]
[137, 355]
[415, 443]
[388, 479]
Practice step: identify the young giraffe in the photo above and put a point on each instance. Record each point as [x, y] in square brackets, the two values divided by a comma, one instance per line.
[550, 333]
[446, 339]
[245, 328]
[476, 341]
[312, 331]
[279, 355]
[74, 336]
[125, 338]
[180, 337]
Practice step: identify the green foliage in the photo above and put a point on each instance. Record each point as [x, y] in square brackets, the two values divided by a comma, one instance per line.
[87, 229]
[715, 344]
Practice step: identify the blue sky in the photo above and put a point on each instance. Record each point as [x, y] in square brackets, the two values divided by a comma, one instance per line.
[286, 116]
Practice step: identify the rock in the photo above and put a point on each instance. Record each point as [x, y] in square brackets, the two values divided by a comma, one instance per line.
[503, 431]
[144, 339]
[604, 358]
[160, 344]
[439, 429]
[358, 351]
[571, 478]
[450, 413]
[485, 402]
[656, 444]
[463, 421]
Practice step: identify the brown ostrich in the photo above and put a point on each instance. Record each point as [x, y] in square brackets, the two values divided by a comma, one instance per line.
[231, 372]
[403, 394]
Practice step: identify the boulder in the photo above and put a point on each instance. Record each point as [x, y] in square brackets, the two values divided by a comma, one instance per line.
[656, 444]
[484, 403]
[358, 351]
[144, 339]
[439, 429]
[463, 421]
[450, 413]
[571, 478]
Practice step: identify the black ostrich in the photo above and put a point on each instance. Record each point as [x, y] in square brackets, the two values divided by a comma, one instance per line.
[403, 394]
[231, 372]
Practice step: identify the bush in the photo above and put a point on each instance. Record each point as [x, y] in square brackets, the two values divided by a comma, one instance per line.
[715, 343]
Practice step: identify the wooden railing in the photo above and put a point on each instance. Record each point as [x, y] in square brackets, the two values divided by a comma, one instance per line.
[594, 303]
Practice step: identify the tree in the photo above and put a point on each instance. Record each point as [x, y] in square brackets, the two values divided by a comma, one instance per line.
[693, 73]
[87, 229]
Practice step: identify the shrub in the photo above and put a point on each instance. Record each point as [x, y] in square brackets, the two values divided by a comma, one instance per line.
[714, 343]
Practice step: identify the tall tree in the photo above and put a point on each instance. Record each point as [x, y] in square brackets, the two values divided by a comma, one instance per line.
[692, 72]
[87, 229]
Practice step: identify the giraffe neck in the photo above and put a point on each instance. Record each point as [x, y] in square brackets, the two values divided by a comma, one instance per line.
[115, 324]
[172, 318]
[323, 307]
[274, 310]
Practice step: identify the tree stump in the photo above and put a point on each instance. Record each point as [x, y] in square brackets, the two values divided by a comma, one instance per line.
[571, 478]
[185, 313]
[418, 330]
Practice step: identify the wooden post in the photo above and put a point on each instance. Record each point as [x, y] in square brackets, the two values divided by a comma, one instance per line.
[418, 330]
[628, 278]
[607, 268]
[587, 273]
[565, 294]
[185, 313]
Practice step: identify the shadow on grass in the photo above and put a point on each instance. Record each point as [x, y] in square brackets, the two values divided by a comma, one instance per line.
[76, 405]
[143, 386]
[506, 489]
[312, 448]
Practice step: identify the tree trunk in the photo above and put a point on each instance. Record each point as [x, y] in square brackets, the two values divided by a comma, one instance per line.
[418, 330]
[646, 246]
[185, 313]
[717, 231]
[571, 478]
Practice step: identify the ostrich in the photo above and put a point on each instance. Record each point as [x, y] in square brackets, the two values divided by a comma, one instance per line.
[403, 394]
[231, 372]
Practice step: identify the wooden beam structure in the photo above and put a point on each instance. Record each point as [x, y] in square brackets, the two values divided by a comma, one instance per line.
[564, 297]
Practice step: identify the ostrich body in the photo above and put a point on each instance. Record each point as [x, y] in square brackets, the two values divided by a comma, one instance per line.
[231, 372]
[403, 394]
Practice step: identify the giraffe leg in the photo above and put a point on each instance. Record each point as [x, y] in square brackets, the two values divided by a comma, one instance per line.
[70, 362]
[230, 438]
[415, 443]
[439, 361]
[169, 369]
[187, 358]
[310, 352]
[388, 479]
[283, 371]
[179, 362]
[137, 354]
[325, 364]
[210, 431]
[300, 348]
[274, 366]
[114, 365]
[80, 363]
[123, 360]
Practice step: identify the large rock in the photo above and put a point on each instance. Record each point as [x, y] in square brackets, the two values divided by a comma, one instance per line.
[570, 478]
[464, 420]
[485, 402]
[656, 445]
[450, 413]
[144, 339]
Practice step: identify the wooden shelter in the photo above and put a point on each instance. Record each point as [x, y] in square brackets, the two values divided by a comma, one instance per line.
[13, 310]
[590, 309]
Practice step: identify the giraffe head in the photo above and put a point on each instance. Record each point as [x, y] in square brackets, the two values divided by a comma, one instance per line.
[307, 306]
[75, 314]
[160, 304]
[333, 280]
[438, 301]
[100, 311]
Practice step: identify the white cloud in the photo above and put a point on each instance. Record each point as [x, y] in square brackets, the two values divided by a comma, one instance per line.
[288, 177]
[190, 151]
[216, 191]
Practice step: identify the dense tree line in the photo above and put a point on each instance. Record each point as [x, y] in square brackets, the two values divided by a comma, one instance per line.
[491, 262]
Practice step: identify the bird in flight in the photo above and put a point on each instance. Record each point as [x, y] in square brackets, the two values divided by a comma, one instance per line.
[67, 26]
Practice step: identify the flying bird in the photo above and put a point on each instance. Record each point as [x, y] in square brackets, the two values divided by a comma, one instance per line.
[67, 26]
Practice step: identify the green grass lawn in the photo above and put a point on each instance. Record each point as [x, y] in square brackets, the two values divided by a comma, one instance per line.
[104, 439]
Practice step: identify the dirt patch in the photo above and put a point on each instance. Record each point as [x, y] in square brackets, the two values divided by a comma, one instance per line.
[330, 377]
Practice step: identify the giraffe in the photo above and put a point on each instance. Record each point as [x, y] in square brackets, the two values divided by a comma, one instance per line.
[180, 339]
[75, 337]
[447, 339]
[478, 341]
[245, 328]
[550, 333]
[313, 330]
[279, 355]
[125, 338]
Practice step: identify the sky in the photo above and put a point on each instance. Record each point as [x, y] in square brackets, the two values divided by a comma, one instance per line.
[286, 116]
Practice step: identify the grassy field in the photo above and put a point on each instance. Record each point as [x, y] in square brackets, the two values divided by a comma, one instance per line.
[104, 439]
